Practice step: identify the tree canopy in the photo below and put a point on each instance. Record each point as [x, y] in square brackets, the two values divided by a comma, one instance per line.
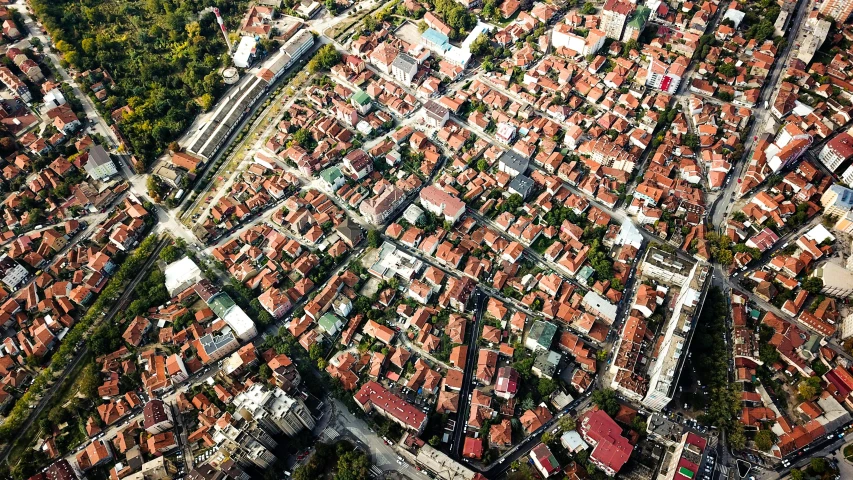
[164, 56]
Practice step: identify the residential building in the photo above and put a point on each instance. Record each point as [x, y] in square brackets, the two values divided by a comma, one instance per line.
[442, 204]
[157, 416]
[435, 114]
[374, 397]
[377, 209]
[12, 272]
[837, 201]
[512, 163]
[610, 449]
[666, 77]
[665, 267]
[839, 10]
[100, 165]
[506, 385]
[544, 460]
[613, 17]
[404, 68]
[541, 336]
[273, 409]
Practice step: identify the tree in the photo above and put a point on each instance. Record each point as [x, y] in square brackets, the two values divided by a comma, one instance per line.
[325, 58]
[797, 474]
[170, 254]
[265, 371]
[546, 387]
[481, 45]
[567, 423]
[606, 400]
[727, 70]
[736, 438]
[482, 165]
[374, 238]
[818, 465]
[588, 8]
[813, 285]
[764, 440]
[808, 388]
[547, 438]
[434, 441]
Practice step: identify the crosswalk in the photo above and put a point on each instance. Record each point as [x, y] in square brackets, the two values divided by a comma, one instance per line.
[375, 471]
[329, 434]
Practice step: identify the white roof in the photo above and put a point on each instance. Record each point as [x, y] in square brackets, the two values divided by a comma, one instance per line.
[573, 441]
[244, 51]
[242, 325]
[819, 233]
[180, 275]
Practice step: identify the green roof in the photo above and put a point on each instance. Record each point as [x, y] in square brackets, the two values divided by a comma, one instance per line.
[331, 174]
[543, 333]
[686, 472]
[641, 16]
[329, 321]
[361, 98]
[220, 304]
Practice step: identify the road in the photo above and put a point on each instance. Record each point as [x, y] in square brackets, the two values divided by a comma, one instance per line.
[718, 215]
[468, 377]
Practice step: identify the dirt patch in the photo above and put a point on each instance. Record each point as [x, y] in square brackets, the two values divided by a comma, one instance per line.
[409, 33]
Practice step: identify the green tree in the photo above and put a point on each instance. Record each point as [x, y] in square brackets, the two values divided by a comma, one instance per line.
[808, 388]
[481, 45]
[797, 474]
[567, 423]
[588, 8]
[265, 371]
[818, 465]
[547, 437]
[434, 441]
[606, 400]
[764, 440]
[737, 440]
[374, 238]
[813, 285]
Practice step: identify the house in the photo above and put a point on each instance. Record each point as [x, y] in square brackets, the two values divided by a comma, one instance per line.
[544, 460]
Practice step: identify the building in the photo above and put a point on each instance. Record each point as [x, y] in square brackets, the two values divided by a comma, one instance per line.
[840, 10]
[435, 114]
[837, 201]
[100, 165]
[506, 385]
[613, 17]
[838, 151]
[214, 348]
[442, 204]
[544, 460]
[378, 208]
[181, 275]
[392, 262]
[610, 449]
[273, 409]
[665, 267]
[666, 77]
[541, 336]
[225, 308]
[62, 469]
[546, 363]
[404, 68]
[512, 163]
[684, 461]
[11, 272]
[15, 84]
[374, 397]
[521, 185]
[837, 280]
[157, 417]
